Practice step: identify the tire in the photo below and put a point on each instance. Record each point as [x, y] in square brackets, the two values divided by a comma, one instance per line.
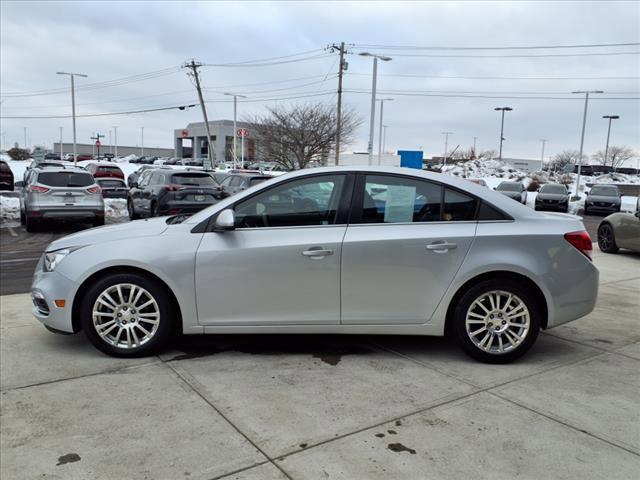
[98, 222]
[118, 339]
[153, 210]
[607, 239]
[23, 218]
[514, 341]
[132, 211]
[586, 211]
[31, 225]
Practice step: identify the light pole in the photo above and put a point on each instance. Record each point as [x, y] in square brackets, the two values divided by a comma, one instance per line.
[235, 127]
[73, 108]
[115, 141]
[373, 98]
[24, 131]
[606, 149]
[142, 141]
[382, 100]
[475, 153]
[584, 124]
[384, 137]
[446, 146]
[61, 153]
[503, 109]
[544, 141]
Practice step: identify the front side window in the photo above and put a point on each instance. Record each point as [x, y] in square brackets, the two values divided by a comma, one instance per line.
[391, 199]
[293, 204]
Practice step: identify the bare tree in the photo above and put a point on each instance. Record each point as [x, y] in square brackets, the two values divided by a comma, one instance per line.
[471, 154]
[616, 156]
[297, 135]
[564, 158]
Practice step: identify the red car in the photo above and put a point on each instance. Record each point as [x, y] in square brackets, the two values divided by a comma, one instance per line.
[82, 157]
[102, 170]
[6, 176]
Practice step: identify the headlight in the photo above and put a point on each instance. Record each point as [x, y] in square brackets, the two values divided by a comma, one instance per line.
[52, 259]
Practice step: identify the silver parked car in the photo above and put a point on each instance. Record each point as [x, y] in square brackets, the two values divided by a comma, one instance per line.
[381, 251]
[60, 193]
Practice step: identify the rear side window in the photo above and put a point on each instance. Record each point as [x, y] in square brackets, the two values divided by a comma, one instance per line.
[65, 179]
[487, 212]
[191, 179]
[458, 206]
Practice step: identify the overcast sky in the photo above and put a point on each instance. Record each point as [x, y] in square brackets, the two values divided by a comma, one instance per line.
[114, 40]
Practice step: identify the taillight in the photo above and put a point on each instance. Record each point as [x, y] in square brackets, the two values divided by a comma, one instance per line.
[174, 188]
[94, 190]
[37, 189]
[582, 241]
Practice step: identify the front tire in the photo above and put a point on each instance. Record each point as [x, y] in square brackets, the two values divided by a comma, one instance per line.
[607, 239]
[132, 210]
[128, 315]
[497, 321]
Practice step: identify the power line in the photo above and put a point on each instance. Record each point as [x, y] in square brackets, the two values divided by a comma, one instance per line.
[266, 64]
[466, 77]
[541, 55]
[278, 89]
[277, 58]
[534, 47]
[419, 94]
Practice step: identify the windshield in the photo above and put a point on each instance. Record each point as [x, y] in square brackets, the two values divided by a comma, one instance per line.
[607, 191]
[192, 179]
[510, 187]
[559, 189]
[65, 179]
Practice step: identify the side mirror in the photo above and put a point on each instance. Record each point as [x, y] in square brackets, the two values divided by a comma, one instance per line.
[19, 184]
[226, 220]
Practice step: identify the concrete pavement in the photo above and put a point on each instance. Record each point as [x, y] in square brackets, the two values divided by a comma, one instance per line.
[318, 407]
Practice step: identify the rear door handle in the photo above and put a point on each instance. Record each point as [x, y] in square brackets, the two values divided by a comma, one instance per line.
[441, 247]
[317, 252]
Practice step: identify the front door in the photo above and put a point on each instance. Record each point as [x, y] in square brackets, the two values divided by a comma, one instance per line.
[403, 248]
[281, 265]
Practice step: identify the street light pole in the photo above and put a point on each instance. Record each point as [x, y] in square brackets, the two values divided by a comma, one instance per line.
[373, 99]
[543, 140]
[73, 108]
[503, 109]
[382, 100]
[446, 146]
[61, 154]
[584, 124]
[606, 149]
[235, 127]
[115, 141]
[384, 137]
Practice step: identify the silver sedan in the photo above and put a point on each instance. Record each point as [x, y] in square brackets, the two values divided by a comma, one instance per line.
[327, 250]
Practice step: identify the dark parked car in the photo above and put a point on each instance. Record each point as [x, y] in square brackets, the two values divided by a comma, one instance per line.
[602, 199]
[51, 156]
[219, 176]
[236, 182]
[133, 177]
[82, 158]
[6, 176]
[171, 192]
[553, 196]
[113, 188]
[102, 170]
[513, 190]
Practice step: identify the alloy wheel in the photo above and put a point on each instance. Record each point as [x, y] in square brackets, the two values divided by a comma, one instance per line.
[126, 316]
[605, 237]
[497, 322]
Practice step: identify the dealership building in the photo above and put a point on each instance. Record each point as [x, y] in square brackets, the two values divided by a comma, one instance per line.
[191, 141]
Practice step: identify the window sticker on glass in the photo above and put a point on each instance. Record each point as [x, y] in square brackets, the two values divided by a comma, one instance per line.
[400, 203]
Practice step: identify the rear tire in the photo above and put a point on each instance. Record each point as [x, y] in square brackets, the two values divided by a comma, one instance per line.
[497, 321]
[23, 218]
[607, 239]
[31, 225]
[121, 330]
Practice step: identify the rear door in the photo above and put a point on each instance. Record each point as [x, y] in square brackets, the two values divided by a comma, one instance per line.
[64, 189]
[405, 243]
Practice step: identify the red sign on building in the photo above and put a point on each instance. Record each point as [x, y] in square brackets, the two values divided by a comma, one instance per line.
[185, 133]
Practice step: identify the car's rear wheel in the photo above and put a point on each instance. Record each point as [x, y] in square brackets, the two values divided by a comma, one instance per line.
[31, 224]
[131, 210]
[607, 239]
[497, 321]
[98, 222]
[127, 315]
[154, 209]
[23, 218]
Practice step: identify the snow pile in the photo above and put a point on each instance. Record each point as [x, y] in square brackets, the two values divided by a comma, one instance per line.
[115, 210]
[485, 169]
[9, 208]
[126, 159]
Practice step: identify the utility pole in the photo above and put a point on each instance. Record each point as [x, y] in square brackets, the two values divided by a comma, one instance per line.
[384, 138]
[446, 145]
[543, 140]
[115, 141]
[606, 149]
[373, 98]
[235, 129]
[341, 68]
[73, 108]
[61, 154]
[142, 141]
[93, 147]
[110, 143]
[503, 109]
[193, 65]
[584, 124]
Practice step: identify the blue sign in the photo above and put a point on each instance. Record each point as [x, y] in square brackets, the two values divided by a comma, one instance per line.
[411, 158]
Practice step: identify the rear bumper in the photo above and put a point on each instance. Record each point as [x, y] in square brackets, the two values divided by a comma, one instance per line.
[75, 212]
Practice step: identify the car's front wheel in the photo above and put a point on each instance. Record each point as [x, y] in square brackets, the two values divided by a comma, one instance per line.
[607, 239]
[497, 321]
[127, 315]
[132, 211]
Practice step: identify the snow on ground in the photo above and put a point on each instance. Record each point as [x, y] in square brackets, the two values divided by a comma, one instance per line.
[115, 210]
[9, 209]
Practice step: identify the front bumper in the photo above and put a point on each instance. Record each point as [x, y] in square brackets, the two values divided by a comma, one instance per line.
[602, 209]
[47, 287]
[552, 207]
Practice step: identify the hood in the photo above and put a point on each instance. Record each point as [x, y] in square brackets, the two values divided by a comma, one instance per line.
[552, 196]
[137, 228]
[600, 198]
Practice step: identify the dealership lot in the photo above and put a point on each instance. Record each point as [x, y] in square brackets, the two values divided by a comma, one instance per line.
[326, 406]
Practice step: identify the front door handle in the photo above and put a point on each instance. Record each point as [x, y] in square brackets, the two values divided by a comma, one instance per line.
[441, 247]
[317, 253]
